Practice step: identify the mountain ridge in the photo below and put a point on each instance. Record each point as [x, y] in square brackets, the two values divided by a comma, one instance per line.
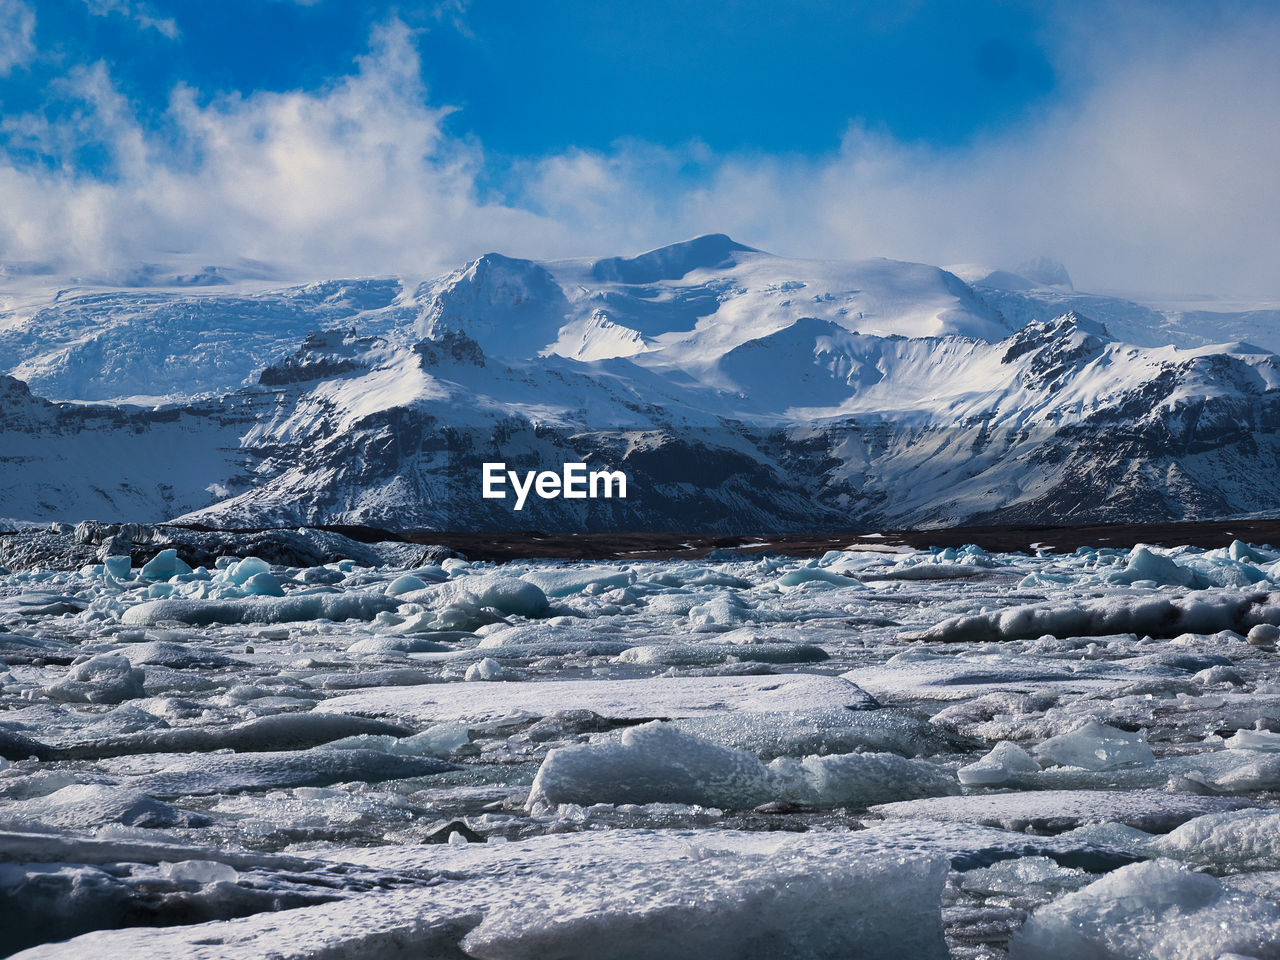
[902, 399]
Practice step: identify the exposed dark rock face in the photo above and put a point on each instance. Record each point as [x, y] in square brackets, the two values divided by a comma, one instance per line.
[323, 354]
[452, 347]
[92, 542]
[1063, 425]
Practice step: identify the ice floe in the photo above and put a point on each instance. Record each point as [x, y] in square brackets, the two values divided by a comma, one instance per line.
[281, 752]
[640, 699]
[1054, 811]
[660, 763]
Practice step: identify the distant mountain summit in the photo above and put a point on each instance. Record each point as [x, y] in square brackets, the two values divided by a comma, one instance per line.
[714, 251]
[681, 305]
[739, 391]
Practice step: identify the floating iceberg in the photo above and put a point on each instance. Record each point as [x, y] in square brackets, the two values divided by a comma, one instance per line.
[1096, 746]
[106, 678]
[291, 609]
[1206, 611]
[659, 763]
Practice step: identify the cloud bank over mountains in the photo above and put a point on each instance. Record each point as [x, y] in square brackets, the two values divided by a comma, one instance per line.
[1152, 171]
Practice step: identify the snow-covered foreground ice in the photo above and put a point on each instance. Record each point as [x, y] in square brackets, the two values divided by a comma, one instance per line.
[934, 754]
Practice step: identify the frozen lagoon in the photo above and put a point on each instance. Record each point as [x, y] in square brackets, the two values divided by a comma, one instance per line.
[877, 753]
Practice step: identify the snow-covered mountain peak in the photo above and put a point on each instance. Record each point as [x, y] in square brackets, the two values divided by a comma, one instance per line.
[509, 306]
[687, 304]
[713, 251]
[1070, 331]
[805, 421]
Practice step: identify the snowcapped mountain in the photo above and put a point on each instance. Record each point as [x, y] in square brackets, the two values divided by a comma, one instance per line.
[700, 297]
[1042, 290]
[687, 304]
[738, 391]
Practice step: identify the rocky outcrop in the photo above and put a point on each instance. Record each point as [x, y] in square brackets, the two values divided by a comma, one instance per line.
[61, 547]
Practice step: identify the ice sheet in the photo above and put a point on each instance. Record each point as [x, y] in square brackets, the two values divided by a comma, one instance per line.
[656, 697]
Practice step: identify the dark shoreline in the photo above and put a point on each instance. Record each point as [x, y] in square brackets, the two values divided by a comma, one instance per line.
[503, 546]
[523, 545]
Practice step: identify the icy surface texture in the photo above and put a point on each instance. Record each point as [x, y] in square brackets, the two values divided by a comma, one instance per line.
[659, 763]
[877, 752]
[660, 894]
[1158, 910]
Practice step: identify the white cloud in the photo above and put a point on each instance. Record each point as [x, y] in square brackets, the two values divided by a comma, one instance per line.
[1156, 173]
[142, 14]
[17, 35]
[358, 177]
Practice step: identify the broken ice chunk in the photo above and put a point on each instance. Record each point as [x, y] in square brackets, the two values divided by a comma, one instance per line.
[164, 565]
[245, 570]
[438, 740]
[107, 678]
[84, 805]
[1206, 611]
[1145, 565]
[1242, 839]
[404, 584]
[799, 733]
[1052, 811]
[705, 654]
[1158, 911]
[652, 763]
[659, 763]
[503, 593]
[1096, 746]
[563, 581]
[998, 767]
[816, 575]
[118, 568]
[781, 906]
[330, 606]
[1036, 875]
[720, 611]
[200, 871]
[1260, 774]
[263, 584]
[863, 779]
[1258, 739]
[486, 669]
[1263, 635]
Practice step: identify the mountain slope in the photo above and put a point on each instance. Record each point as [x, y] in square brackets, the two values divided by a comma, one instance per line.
[61, 461]
[1057, 423]
[738, 391]
[178, 343]
[684, 304]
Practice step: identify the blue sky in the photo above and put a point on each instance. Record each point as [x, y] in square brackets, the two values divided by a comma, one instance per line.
[1128, 139]
[536, 78]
